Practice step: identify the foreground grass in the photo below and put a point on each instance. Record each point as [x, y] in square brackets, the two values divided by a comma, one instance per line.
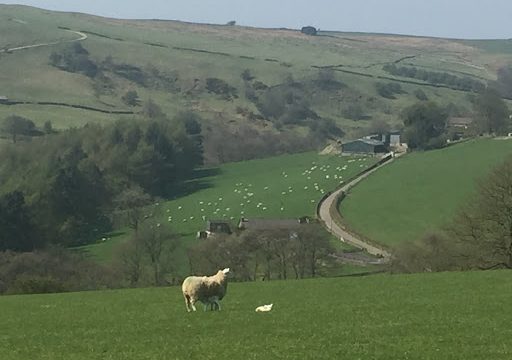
[420, 192]
[434, 316]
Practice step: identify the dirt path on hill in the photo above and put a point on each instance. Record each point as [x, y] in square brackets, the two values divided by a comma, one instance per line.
[339, 231]
[81, 38]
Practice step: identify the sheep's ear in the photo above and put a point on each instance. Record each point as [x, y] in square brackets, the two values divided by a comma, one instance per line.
[225, 271]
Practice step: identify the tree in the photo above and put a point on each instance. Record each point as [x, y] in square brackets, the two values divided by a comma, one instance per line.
[130, 206]
[155, 239]
[131, 98]
[309, 30]
[483, 227]
[17, 231]
[16, 125]
[492, 112]
[151, 110]
[48, 127]
[425, 124]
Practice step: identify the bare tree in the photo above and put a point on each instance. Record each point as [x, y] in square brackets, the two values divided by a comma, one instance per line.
[484, 226]
[154, 239]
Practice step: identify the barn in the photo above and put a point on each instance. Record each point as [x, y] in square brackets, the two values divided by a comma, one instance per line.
[364, 146]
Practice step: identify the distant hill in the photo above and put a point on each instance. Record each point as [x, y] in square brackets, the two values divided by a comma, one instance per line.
[266, 81]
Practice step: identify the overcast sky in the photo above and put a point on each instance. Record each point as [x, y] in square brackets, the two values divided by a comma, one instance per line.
[442, 18]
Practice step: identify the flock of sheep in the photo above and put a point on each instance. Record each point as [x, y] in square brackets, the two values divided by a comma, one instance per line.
[209, 290]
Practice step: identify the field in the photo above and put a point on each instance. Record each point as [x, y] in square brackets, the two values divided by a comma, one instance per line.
[428, 316]
[191, 51]
[287, 186]
[421, 191]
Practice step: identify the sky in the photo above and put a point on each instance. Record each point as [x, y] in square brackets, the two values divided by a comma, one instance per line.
[469, 19]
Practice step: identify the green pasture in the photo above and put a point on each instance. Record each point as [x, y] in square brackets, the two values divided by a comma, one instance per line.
[281, 187]
[426, 316]
[421, 191]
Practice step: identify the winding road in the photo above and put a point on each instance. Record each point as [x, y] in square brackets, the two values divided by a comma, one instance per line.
[81, 38]
[338, 230]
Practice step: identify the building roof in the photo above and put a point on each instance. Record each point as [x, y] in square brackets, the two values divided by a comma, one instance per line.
[269, 224]
[460, 121]
[366, 141]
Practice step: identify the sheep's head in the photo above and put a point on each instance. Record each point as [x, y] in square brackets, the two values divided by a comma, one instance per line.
[225, 271]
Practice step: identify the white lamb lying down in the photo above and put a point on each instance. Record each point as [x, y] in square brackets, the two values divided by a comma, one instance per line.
[264, 308]
[207, 289]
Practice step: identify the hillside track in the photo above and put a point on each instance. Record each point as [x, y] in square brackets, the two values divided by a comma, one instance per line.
[324, 213]
[25, 47]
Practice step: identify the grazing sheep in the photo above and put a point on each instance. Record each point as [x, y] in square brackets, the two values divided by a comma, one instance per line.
[264, 308]
[207, 289]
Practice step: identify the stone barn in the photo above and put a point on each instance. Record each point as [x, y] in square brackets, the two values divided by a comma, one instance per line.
[215, 227]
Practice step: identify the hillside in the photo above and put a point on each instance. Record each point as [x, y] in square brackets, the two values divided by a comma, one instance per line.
[421, 191]
[277, 81]
[427, 316]
[282, 187]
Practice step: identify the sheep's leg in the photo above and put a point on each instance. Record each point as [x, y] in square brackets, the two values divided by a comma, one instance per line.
[217, 304]
[192, 304]
[187, 302]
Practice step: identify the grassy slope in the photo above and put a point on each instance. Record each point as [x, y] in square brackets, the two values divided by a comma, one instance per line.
[421, 191]
[295, 54]
[429, 316]
[265, 179]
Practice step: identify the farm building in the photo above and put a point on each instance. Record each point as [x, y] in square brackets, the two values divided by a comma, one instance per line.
[364, 146]
[390, 138]
[271, 224]
[460, 122]
[215, 227]
[4, 99]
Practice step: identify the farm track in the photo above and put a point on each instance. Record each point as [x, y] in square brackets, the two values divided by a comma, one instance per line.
[24, 47]
[345, 235]
[50, 103]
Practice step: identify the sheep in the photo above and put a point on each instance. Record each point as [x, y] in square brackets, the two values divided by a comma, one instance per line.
[264, 308]
[207, 289]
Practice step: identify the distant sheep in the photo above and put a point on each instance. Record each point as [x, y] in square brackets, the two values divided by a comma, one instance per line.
[207, 289]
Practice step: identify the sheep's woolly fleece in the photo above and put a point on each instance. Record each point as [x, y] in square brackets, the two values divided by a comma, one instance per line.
[264, 308]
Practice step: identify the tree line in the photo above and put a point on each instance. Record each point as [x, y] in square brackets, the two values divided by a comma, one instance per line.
[426, 122]
[464, 83]
[265, 255]
[66, 185]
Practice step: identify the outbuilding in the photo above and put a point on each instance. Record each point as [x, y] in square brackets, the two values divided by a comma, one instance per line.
[364, 146]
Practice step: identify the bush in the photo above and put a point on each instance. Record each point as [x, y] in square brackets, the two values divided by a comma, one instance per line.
[26, 284]
[389, 90]
[220, 87]
[52, 270]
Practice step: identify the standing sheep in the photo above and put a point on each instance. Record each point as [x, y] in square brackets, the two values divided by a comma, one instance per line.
[207, 289]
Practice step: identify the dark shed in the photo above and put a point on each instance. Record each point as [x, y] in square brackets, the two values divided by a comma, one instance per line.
[364, 146]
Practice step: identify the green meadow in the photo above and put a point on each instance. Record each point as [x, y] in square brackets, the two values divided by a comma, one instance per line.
[281, 187]
[427, 316]
[421, 191]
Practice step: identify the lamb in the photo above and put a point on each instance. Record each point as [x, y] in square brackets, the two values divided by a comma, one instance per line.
[264, 308]
[207, 289]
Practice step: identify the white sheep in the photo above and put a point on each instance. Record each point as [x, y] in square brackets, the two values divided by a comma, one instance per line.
[207, 289]
[264, 308]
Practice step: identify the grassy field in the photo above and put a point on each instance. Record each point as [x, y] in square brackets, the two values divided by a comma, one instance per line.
[192, 51]
[428, 316]
[420, 192]
[287, 186]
